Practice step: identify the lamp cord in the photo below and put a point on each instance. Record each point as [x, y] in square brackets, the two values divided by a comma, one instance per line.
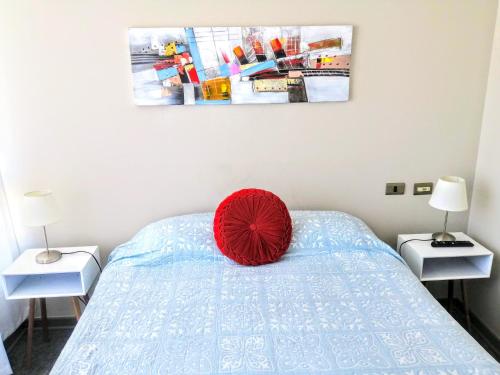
[86, 252]
[412, 239]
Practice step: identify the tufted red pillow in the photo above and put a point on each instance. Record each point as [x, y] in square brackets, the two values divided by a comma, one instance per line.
[252, 227]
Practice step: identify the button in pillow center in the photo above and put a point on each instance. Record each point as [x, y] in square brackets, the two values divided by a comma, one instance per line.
[253, 226]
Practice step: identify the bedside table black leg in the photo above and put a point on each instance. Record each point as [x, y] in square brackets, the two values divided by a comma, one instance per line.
[76, 307]
[29, 338]
[450, 295]
[45, 322]
[466, 304]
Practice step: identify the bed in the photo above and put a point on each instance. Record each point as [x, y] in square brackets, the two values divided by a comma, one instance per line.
[340, 301]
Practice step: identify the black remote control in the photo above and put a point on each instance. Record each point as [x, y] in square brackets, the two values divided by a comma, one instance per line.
[451, 244]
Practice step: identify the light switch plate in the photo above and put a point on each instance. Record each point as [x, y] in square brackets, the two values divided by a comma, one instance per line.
[394, 188]
[422, 188]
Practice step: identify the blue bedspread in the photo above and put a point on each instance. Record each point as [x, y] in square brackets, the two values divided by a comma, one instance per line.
[339, 302]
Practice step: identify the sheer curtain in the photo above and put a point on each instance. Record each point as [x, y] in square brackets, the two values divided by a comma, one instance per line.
[12, 313]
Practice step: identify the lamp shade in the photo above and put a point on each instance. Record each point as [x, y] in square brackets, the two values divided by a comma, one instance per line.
[39, 208]
[450, 194]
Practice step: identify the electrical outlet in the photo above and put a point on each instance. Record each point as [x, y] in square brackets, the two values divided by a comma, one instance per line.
[394, 188]
[422, 188]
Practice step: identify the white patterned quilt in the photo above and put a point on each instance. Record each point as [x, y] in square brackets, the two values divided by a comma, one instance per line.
[339, 302]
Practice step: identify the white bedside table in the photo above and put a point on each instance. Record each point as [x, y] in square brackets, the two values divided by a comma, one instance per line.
[71, 276]
[446, 263]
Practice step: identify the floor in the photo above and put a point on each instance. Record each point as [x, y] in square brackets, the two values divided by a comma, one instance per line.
[458, 313]
[46, 353]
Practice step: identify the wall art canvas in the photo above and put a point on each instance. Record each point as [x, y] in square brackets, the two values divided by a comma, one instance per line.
[240, 65]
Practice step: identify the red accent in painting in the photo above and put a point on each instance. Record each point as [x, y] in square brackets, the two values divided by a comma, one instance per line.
[192, 74]
[277, 48]
[293, 46]
[257, 46]
[240, 54]
[163, 64]
[177, 59]
[225, 57]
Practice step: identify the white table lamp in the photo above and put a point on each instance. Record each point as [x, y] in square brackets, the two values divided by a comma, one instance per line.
[40, 210]
[450, 194]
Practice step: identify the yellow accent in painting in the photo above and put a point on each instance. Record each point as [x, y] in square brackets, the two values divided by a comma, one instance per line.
[246, 66]
[170, 49]
[216, 89]
[270, 85]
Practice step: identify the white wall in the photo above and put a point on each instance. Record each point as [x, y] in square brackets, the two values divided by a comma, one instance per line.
[418, 82]
[484, 221]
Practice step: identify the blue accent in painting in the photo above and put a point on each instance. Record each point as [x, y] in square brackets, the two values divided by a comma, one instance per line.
[258, 67]
[167, 73]
[195, 53]
[205, 102]
[225, 70]
[180, 48]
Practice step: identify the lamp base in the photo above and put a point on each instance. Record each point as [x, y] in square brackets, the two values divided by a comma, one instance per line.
[50, 256]
[443, 236]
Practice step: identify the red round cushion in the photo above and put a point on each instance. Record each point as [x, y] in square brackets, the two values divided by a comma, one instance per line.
[252, 227]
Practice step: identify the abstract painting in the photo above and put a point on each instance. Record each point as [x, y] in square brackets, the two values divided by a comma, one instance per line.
[240, 65]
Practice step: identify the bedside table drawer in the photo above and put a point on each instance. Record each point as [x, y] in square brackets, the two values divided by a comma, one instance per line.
[445, 263]
[43, 285]
[454, 268]
[71, 276]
